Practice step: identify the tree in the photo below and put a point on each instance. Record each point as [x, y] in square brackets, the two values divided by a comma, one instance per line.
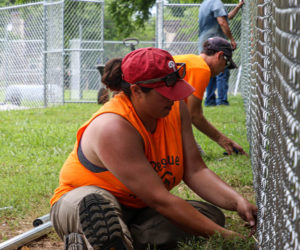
[130, 15]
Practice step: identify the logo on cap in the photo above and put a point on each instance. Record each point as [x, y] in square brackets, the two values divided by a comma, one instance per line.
[172, 65]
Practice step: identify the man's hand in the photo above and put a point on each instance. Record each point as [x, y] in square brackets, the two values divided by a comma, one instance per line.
[241, 3]
[230, 146]
[233, 44]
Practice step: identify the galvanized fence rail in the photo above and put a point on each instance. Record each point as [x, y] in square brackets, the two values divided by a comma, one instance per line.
[271, 90]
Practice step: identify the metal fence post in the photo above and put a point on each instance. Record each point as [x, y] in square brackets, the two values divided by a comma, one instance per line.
[159, 24]
[6, 52]
[44, 52]
[63, 52]
[102, 33]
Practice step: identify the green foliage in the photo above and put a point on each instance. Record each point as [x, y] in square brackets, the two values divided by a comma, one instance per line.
[146, 32]
[130, 14]
[4, 3]
[184, 1]
[122, 18]
[179, 11]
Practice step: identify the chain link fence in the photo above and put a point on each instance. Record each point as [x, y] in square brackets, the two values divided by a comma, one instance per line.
[48, 52]
[181, 32]
[271, 90]
[21, 48]
[49, 49]
[176, 30]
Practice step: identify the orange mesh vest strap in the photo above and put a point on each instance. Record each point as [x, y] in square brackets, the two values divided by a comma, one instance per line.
[163, 149]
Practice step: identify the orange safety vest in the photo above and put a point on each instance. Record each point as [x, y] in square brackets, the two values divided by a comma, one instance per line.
[163, 149]
[197, 72]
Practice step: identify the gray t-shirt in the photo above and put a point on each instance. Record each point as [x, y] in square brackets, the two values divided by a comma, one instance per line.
[208, 24]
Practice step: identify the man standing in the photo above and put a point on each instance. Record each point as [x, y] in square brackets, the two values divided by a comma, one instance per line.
[213, 21]
[215, 57]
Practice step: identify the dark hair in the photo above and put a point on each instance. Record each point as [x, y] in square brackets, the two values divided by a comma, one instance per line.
[208, 51]
[112, 77]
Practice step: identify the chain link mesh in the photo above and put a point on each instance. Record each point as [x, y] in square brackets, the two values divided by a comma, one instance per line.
[53, 57]
[21, 48]
[181, 32]
[271, 90]
[177, 31]
[177, 28]
[83, 49]
[49, 51]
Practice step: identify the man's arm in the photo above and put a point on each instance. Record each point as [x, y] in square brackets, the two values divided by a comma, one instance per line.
[207, 184]
[225, 28]
[201, 123]
[232, 13]
[225, 25]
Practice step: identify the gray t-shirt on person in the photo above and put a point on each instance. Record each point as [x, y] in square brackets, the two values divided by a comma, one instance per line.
[208, 24]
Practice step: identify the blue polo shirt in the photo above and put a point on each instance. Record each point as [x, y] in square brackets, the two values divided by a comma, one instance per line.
[208, 24]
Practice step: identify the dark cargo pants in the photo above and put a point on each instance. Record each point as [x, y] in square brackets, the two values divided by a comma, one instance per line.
[141, 227]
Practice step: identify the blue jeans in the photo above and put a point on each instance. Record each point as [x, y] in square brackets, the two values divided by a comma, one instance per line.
[220, 82]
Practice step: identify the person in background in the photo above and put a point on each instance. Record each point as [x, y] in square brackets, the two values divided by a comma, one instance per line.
[213, 21]
[215, 57]
[114, 188]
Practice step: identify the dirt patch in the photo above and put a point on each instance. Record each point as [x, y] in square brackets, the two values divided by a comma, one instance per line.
[44, 243]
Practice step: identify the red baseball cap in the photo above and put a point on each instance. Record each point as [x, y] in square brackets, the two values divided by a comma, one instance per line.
[151, 63]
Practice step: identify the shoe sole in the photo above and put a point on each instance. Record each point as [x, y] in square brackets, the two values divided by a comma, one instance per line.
[74, 241]
[100, 223]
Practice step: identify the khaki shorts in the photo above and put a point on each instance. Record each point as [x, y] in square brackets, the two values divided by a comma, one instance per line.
[140, 227]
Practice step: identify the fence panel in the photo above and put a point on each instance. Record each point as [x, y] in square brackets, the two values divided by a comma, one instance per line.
[53, 51]
[49, 51]
[53, 57]
[271, 90]
[21, 49]
[83, 49]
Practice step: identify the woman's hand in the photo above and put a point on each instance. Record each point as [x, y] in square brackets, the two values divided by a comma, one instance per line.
[247, 212]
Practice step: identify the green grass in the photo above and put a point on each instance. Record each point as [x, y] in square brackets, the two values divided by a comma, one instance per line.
[35, 143]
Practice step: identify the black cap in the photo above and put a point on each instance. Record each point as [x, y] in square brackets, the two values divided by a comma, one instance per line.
[221, 44]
